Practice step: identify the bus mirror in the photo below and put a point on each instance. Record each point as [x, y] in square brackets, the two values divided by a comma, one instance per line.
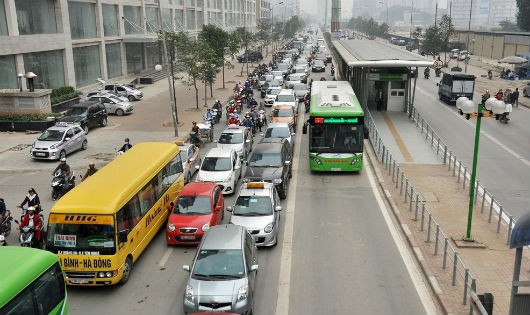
[122, 236]
[366, 133]
[304, 129]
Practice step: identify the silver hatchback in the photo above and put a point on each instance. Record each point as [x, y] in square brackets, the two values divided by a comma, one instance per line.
[223, 273]
[58, 141]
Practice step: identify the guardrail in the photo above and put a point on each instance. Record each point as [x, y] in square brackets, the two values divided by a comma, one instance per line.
[422, 215]
[460, 171]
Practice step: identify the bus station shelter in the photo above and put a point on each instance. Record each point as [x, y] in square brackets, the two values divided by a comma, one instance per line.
[371, 66]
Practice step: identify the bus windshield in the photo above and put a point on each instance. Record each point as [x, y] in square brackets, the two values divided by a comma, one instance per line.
[81, 237]
[336, 138]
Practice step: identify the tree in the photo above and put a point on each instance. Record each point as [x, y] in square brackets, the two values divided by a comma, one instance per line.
[217, 40]
[446, 29]
[507, 26]
[432, 42]
[417, 36]
[246, 38]
[523, 15]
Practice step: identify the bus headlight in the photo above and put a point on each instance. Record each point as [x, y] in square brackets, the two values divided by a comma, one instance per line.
[171, 227]
[316, 160]
[109, 274]
[101, 275]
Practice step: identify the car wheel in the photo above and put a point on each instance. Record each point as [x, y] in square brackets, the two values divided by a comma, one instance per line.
[103, 122]
[524, 93]
[85, 129]
[84, 145]
[127, 268]
[131, 98]
[62, 155]
[119, 112]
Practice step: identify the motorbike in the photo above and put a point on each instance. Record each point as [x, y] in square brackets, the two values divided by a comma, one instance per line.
[60, 186]
[28, 238]
[504, 117]
[332, 71]
[262, 120]
[426, 75]
[438, 72]
[5, 225]
[490, 74]
[194, 139]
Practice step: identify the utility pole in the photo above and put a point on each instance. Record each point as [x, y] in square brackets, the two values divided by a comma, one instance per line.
[436, 14]
[468, 33]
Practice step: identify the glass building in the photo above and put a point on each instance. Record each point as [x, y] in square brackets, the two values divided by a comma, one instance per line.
[75, 42]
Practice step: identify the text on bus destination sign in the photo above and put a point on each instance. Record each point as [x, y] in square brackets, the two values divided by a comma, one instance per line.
[335, 120]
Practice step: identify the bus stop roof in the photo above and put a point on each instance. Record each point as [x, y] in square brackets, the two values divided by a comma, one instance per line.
[371, 53]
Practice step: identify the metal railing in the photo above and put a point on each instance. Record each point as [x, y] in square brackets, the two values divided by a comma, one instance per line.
[463, 173]
[424, 217]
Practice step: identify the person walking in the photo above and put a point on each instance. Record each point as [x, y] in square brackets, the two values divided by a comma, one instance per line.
[515, 97]
[499, 95]
[379, 99]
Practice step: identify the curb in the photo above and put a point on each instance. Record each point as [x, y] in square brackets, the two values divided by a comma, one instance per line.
[411, 240]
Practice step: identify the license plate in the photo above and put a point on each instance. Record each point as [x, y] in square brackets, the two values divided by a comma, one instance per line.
[79, 281]
[187, 237]
[336, 169]
[40, 154]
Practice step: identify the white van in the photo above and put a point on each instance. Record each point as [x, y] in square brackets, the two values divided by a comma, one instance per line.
[454, 53]
[463, 55]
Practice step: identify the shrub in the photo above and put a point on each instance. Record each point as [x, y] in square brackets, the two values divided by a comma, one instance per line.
[27, 117]
[63, 93]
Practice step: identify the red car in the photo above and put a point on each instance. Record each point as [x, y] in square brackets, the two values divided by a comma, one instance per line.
[199, 206]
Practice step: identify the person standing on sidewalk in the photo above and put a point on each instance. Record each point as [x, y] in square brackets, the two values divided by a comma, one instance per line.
[515, 97]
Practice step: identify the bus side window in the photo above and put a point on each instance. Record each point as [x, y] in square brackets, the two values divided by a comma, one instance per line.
[48, 291]
[147, 197]
[133, 212]
[122, 220]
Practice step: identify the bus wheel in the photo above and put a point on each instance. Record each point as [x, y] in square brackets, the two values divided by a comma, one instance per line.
[127, 267]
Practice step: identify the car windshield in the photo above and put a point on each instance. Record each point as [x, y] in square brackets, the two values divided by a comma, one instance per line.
[282, 112]
[285, 98]
[299, 87]
[283, 66]
[277, 132]
[81, 237]
[266, 159]
[277, 73]
[230, 138]
[219, 264]
[77, 111]
[294, 78]
[273, 91]
[251, 206]
[319, 63]
[299, 70]
[193, 205]
[52, 135]
[216, 164]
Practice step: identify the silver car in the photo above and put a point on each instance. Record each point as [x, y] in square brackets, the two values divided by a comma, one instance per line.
[238, 138]
[257, 208]
[281, 131]
[300, 91]
[113, 104]
[223, 274]
[58, 141]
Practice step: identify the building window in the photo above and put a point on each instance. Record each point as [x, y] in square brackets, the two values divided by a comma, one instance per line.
[3, 21]
[134, 54]
[110, 19]
[36, 17]
[132, 20]
[113, 53]
[153, 55]
[200, 19]
[179, 19]
[48, 66]
[82, 19]
[87, 65]
[190, 19]
[167, 21]
[189, 3]
[8, 69]
[151, 20]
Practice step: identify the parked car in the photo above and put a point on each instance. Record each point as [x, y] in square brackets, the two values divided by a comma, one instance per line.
[223, 272]
[252, 56]
[113, 104]
[198, 207]
[257, 208]
[222, 167]
[87, 114]
[270, 161]
[191, 160]
[238, 138]
[58, 141]
[132, 94]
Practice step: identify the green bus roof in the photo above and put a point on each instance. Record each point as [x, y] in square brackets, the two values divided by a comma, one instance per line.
[109, 188]
[19, 266]
[334, 99]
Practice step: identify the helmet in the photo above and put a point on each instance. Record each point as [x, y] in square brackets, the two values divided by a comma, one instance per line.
[91, 164]
[31, 209]
[63, 159]
[2, 238]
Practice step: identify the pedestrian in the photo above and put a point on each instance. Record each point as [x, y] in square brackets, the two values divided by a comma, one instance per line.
[486, 96]
[515, 97]
[379, 99]
[126, 146]
[499, 95]
[507, 96]
[90, 171]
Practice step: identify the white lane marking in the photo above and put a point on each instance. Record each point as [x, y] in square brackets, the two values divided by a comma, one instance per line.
[284, 279]
[165, 258]
[487, 135]
[410, 264]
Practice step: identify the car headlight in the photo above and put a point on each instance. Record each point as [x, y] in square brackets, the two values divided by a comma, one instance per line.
[277, 181]
[269, 227]
[54, 146]
[171, 227]
[242, 294]
[33, 145]
[206, 227]
[188, 296]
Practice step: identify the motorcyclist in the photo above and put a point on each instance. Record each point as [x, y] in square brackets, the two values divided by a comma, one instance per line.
[64, 168]
[208, 116]
[3, 209]
[248, 85]
[427, 72]
[217, 105]
[195, 139]
[32, 219]
[490, 74]
[126, 146]
[247, 122]
[32, 199]
[233, 120]
[90, 171]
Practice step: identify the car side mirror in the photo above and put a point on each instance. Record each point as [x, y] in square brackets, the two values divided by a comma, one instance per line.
[254, 268]
[229, 209]
[278, 208]
[186, 267]
[304, 128]
[247, 141]
[122, 236]
[197, 166]
[192, 159]
[293, 133]
[237, 167]
[67, 139]
[287, 162]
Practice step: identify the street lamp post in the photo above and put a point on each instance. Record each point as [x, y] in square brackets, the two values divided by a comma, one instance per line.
[493, 108]
[411, 12]
[468, 32]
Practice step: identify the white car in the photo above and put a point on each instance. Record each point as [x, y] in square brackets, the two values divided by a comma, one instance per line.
[222, 167]
[113, 104]
[292, 79]
[257, 208]
[286, 97]
[300, 91]
[278, 76]
[238, 138]
[58, 141]
[270, 96]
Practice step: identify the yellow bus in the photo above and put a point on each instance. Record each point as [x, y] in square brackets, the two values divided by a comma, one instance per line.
[100, 228]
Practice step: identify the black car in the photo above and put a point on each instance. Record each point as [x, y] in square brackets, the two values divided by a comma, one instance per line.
[270, 161]
[252, 56]
[87, 114]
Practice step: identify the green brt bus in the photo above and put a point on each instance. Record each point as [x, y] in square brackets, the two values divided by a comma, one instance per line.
[31, 282]
[336, 128]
